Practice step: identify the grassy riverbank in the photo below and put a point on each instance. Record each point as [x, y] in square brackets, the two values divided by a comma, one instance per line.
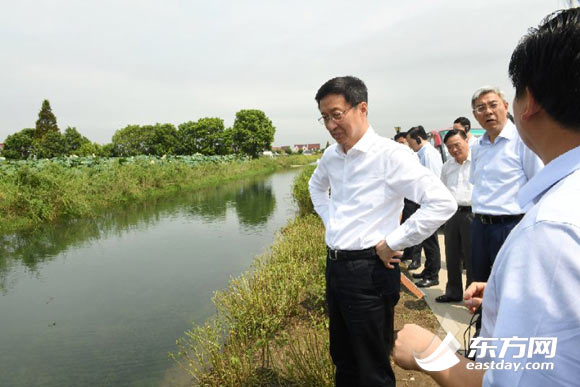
[271, 325]
[30, 195]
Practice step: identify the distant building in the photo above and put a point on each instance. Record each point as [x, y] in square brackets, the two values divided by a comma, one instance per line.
[306, 147]
[1, 146]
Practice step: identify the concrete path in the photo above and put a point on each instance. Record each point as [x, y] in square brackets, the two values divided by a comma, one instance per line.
[453, 316]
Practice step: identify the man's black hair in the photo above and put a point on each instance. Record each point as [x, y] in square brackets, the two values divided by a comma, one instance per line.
[547, 62]
[351, 88]
[463, 121]
[416, 133]
[399, 135]
[454, 132]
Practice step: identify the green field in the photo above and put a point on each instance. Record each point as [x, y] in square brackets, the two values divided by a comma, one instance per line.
[38, 191]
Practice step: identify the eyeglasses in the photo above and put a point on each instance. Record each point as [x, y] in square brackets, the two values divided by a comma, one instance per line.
[493, 105]
[335, 116]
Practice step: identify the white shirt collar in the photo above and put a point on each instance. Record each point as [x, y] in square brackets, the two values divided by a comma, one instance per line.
[508, 132]
[364, 144]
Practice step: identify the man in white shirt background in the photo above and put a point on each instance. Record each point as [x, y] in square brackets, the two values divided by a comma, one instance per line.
[463, 123]
[430, 158]
[368, 176]
[533, 289]
[455, 176]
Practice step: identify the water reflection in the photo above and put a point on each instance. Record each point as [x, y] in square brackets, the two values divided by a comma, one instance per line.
[102, 301]
[253, 201]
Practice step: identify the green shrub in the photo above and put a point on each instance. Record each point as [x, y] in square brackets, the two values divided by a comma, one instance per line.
[300, 191]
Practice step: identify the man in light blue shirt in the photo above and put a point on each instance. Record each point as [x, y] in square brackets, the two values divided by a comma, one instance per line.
[531, 319]
[431, 159]
[501, 165]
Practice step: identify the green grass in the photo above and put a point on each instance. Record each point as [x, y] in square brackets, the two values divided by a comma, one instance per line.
[32, 193]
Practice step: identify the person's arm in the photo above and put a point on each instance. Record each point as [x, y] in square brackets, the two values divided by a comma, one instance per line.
[407, 177]
[413, 339]
[318, 186]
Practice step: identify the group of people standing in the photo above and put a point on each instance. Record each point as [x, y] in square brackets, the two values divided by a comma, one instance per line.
[492, 187]
[484, 176]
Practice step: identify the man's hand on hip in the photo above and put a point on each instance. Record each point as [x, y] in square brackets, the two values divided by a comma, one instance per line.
[387, 255]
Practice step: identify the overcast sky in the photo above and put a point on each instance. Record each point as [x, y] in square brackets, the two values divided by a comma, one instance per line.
[110, 63]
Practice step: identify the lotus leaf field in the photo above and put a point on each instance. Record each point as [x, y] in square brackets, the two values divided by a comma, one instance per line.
[9, 167]
[37, 191]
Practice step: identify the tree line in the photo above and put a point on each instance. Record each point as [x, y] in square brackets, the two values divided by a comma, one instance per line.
[251, 134]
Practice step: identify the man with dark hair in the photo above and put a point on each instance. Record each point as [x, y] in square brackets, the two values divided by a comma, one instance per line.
[430, 158]
[455, 176]
[367, 176]
[400, 138]
[533, 289]
[463, 123]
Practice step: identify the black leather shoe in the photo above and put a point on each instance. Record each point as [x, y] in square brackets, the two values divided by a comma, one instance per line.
[419, 275]
[446, 298]
[426, 282]
[413, 266]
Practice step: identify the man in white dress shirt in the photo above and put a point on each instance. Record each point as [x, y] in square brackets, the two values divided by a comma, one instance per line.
[431, 159]
[455, 176]
[463, 123]
[532, 293]
[368, 176]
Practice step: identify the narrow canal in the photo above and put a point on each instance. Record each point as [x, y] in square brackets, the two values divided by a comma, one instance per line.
[101, 302]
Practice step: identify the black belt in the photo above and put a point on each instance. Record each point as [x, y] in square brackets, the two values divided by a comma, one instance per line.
[498, 219]
[346, 255]
[464, 209]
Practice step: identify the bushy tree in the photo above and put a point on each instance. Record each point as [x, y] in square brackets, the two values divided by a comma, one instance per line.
[106, 150]
[207, 136]
[51, 145]
[164, 140]
[19, 145]
[130, 141]
[46, 121]
[88, 149]
[74, 141]
[159, 139]
[252, 132]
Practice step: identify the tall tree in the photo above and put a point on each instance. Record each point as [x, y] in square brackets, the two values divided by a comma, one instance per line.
[252, 132]
[46, 121]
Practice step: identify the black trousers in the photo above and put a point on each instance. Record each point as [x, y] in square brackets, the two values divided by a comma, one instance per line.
[486, 240]
[458, 251]
[413, 252]
[361, 296]
[432, 257]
